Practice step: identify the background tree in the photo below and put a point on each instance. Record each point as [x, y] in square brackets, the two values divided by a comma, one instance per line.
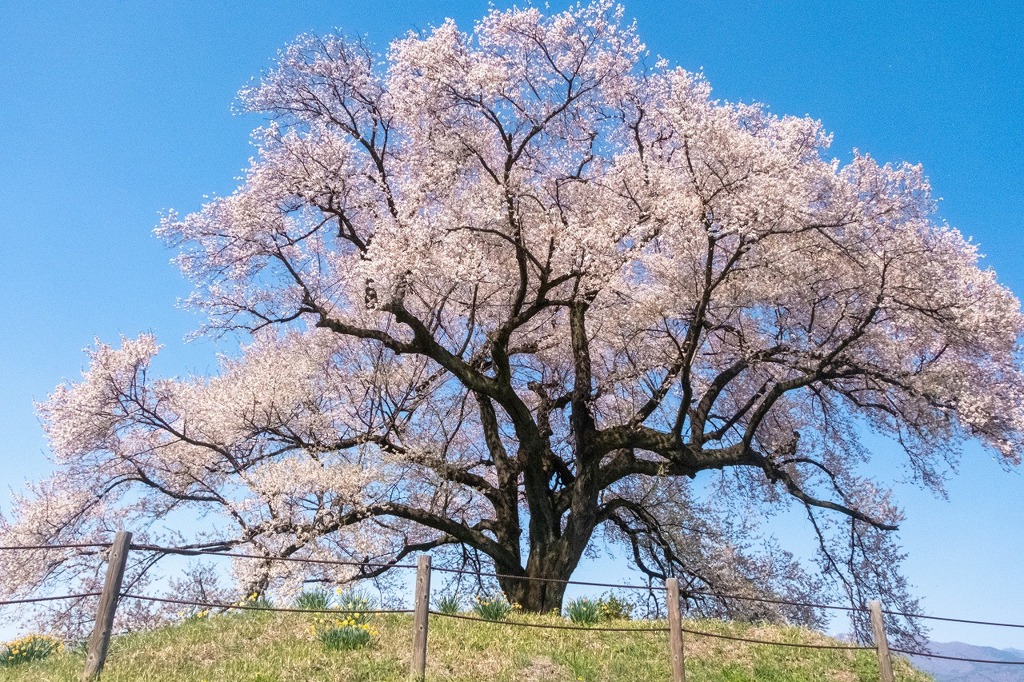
[511, 289]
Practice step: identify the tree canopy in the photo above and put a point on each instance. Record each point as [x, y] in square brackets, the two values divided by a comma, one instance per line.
[514, 293]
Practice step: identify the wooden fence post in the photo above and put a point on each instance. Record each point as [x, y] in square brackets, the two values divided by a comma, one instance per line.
[675, 630]
[420, 617]
[100, 639]
[881, 642]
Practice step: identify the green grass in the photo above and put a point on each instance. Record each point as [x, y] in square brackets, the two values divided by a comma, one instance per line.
[279, 648]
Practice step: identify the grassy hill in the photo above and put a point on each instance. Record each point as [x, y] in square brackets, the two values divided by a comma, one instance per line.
[279, 648]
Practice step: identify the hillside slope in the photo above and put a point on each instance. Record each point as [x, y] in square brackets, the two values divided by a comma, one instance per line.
[279, 648]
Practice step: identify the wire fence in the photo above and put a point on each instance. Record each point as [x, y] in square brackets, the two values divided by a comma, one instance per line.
[109, 598]
[513, 576]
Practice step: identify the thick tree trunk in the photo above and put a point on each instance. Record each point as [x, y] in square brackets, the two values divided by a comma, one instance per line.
[535, 596]
[541, 587]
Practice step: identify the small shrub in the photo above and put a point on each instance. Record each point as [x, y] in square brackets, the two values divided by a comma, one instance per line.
[28, 648]
[614, 608]
[316, 599]
[194, 615]
[583, 611]
[343, 633]
[448, 604]
[251, 603]
[350, 628]
[493, 608]
[354, 605]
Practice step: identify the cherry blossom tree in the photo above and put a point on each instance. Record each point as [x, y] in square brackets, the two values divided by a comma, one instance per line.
[514, 294]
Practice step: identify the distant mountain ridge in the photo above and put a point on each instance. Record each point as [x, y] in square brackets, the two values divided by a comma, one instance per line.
[961, 671]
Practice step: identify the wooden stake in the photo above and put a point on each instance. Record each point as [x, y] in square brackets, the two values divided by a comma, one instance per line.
[881, 642]
[420, 617]
[675, 631]
[99, 642]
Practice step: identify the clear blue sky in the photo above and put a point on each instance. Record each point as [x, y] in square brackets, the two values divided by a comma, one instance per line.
[113, 111]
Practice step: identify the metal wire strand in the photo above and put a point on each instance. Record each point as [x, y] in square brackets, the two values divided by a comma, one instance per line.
[78, 545]
[547, 626]
[955, 658]
[953, 620]
[653, 588]
[244, 607]
[701, 633]
[33, 600]
[767, 600]
[241, 555]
